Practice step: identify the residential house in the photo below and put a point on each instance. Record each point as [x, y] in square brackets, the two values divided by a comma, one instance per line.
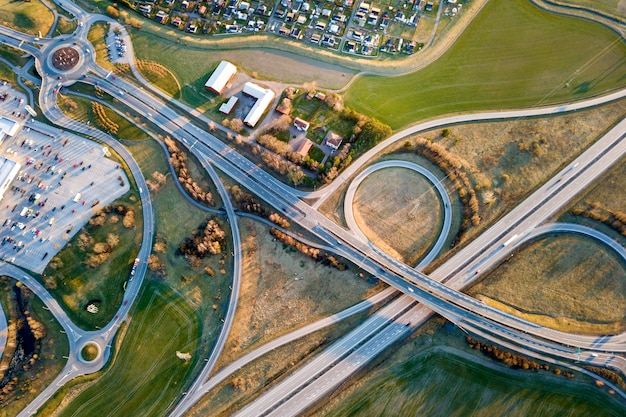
[315, 38]
[176, 21]
[161, 17]
[332, 140]
[296, 33]
[304, 147]
[301, 124]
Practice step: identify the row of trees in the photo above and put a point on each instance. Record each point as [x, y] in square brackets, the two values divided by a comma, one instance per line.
[607, 374]
[17, 357]
[613, 219]
[307, 250]
[454, 169]
[248, 203]
[178, 159]
[510, 359]
[102, 119]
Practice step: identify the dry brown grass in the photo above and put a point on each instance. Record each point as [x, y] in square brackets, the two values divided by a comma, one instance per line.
[603, 191]
[282, 290]
[333, 206]
[255, 377]
[508, 160]
[398, 210]
[566, 282]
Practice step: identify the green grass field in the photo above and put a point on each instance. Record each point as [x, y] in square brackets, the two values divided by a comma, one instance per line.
[443, 382]
[146, 376]
[96, 36]
[28, 17]
[512, 55]
[615, 8]
[7, 74]
[75, 284]
[83, 113]
[175, 219]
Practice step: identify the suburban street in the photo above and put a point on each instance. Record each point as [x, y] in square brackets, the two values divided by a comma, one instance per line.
[438, 292]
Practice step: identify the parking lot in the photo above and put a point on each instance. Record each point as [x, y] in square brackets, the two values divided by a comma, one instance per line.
[64, 179]
[116, 48]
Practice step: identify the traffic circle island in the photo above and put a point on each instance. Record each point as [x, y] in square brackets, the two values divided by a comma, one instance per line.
[90, 352]
[65, 58]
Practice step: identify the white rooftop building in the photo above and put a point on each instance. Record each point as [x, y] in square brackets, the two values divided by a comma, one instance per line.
[227, 107]
[8, 127]
[8, 171]
[264, 97]
[222, 75]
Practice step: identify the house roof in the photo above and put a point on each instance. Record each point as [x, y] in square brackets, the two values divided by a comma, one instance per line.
[333, 139]
[303, 147]
[301, 124]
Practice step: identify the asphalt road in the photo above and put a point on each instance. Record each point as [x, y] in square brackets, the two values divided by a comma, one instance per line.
[234, 165]
[443, 299]
[304, 390]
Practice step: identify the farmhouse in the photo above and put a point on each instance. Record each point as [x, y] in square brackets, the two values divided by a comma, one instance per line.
[332, 140]
[8, 171]
[263, 96]
[222, 75]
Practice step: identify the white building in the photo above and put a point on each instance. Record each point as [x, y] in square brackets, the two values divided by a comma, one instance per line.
[222, 75]
[8, 171]
[264, 97]
[227, 107]
[8, 127]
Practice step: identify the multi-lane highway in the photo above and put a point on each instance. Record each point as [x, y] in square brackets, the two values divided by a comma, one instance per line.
[303, 388]
[444, 299]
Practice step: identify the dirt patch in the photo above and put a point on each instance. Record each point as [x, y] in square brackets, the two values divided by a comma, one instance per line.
[282, 289]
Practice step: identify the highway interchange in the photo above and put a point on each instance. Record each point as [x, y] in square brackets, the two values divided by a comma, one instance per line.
[383, 328]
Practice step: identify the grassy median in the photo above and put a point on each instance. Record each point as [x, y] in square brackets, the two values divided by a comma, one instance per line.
[567, 282]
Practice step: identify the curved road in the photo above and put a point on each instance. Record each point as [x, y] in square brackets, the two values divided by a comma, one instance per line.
[348, 206]
[226, 159]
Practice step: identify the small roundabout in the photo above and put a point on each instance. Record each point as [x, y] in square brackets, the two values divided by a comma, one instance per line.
[90, 352]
